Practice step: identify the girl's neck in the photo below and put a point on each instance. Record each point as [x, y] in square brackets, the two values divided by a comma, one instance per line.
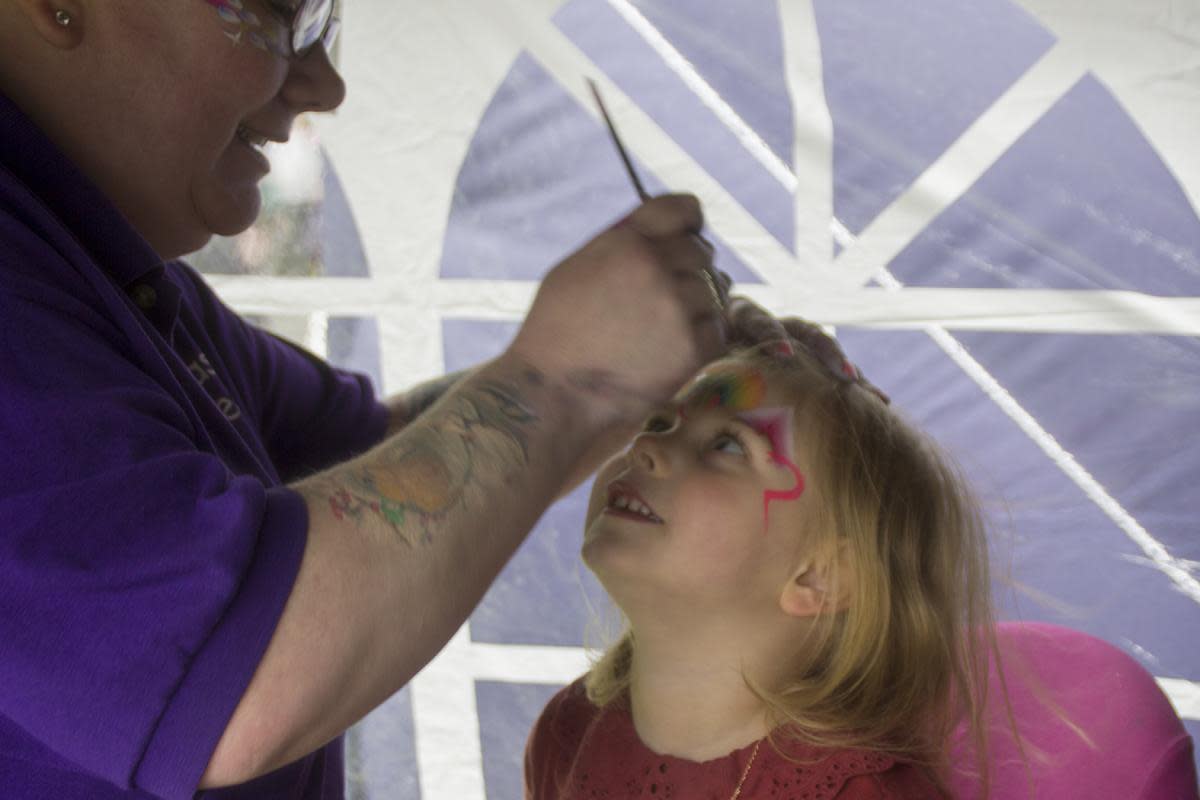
[690, 700]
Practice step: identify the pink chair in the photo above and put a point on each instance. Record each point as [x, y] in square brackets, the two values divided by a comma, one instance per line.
[1142, 751]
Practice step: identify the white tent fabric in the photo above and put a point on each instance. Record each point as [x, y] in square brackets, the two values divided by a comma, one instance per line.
[994, 201]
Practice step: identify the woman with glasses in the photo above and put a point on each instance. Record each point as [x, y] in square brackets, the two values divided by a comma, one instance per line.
[216, 551]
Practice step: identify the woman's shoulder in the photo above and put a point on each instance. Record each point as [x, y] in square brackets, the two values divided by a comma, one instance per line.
[800, 771]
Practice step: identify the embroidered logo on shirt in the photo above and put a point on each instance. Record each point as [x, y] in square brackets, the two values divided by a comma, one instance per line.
[202, 370]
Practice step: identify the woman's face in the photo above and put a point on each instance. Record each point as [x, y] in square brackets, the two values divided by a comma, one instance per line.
[185, 95]
[705, 507]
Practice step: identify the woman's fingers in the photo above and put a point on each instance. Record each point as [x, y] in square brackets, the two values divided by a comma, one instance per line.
[668, 215]
[751, 324]
[632, 314]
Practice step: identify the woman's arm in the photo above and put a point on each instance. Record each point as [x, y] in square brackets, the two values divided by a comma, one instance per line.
[402, 543]
[404, 540]
[405, 407]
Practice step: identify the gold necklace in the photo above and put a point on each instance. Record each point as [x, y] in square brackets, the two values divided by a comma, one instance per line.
[737, 792]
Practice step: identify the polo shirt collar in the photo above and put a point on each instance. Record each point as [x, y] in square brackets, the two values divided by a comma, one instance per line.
[28, 154]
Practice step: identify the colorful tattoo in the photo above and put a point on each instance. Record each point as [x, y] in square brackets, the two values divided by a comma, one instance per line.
[419, 399]
[776, 425]
[242, 25]
[734, 389]
[419, 478]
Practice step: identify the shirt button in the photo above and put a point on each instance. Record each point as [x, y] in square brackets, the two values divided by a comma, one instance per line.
[144, 296]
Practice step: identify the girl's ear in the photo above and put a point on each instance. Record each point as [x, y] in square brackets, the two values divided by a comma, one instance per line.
[817, 586]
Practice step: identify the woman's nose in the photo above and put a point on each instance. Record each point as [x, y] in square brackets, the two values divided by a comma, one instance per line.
[313, 83]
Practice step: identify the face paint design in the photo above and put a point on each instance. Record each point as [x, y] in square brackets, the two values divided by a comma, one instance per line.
[242, 25]
[734, 390]
[741, 390]
[776, 425]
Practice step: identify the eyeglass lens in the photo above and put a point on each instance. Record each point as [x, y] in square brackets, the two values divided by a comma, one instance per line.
[314, 22]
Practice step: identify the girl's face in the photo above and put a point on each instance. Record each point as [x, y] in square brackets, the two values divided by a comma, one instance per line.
[705, 507]
[184, 97]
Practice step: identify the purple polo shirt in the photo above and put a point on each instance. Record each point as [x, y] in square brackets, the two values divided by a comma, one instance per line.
[147, 541]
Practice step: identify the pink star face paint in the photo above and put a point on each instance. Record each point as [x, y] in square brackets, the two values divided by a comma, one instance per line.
[776, 425]
[242, 25]
[741, 390]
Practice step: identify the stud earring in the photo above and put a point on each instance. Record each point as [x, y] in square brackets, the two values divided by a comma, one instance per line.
[62, 17]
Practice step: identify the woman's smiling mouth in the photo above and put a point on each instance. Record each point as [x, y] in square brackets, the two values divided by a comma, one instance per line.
[252, 138]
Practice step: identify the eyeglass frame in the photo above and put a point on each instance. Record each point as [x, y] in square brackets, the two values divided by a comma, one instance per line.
[233, 12]
[326, 38]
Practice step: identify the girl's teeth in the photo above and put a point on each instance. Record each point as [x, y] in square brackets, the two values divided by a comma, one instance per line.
[624, 503]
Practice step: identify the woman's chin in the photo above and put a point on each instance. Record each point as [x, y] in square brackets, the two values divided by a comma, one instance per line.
[239, 211]
[226, 204]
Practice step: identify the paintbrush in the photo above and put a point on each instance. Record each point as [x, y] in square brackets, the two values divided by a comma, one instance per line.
[621, 151]
[719, 288]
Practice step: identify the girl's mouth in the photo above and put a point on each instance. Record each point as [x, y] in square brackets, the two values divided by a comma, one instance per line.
[624, 499]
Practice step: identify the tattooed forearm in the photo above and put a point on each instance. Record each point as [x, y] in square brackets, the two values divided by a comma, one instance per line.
[405, 408]
[477, 439]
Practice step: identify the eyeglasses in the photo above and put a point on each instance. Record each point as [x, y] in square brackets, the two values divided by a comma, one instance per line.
[292, 30]
[314, 21]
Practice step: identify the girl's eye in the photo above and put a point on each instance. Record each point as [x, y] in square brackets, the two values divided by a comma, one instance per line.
[729, 443]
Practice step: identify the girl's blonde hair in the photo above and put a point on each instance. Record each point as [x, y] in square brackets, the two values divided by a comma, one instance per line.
[906, 661]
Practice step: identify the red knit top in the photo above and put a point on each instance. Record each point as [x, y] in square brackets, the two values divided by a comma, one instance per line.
[580, 752]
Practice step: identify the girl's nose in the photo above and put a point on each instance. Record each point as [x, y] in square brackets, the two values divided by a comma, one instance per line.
[649, 453]
[313, 83]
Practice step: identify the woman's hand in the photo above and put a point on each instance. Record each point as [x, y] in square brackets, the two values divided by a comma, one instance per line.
[750, 324]
[624, 321]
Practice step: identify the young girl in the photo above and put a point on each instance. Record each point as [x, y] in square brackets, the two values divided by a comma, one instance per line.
[800, 571]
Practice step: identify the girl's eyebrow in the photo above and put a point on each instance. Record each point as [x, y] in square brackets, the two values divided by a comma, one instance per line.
[773, 425]
[756, 429]
[747, 421]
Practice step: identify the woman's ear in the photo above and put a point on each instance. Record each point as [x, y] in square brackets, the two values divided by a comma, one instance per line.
[817, 586]
[58, 22]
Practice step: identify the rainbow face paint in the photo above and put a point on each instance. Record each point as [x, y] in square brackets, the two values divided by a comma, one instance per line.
[241, 25]
[733, 389]
[776, 425]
